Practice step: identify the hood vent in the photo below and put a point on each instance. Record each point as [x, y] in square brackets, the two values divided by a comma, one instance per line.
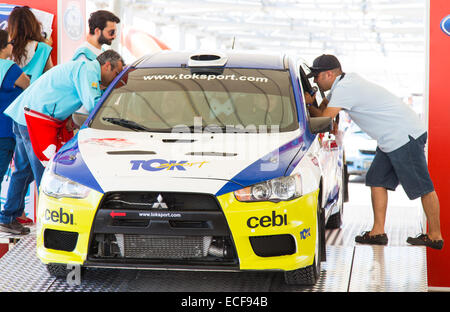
[178, 141]
[207, 60]
[131, 153]
[212, 154]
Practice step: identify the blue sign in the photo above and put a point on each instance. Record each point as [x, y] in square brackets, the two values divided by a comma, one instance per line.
[445, 25]
[5, 10]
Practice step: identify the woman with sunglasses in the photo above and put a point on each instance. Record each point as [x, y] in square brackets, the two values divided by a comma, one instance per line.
[12, 82]
[30, 50]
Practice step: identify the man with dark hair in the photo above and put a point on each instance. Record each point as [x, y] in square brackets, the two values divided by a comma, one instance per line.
[401, 138]
[102, 30]
[58, 93]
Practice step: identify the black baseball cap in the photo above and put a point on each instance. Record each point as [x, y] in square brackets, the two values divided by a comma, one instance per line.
[323, 63]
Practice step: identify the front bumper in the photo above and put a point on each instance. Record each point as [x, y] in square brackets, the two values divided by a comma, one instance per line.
[259, 235]
[295, 218]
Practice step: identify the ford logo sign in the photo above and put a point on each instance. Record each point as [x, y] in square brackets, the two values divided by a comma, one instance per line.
[445, 25]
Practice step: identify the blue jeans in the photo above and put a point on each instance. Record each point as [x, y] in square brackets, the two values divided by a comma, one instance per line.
[27, 168]
[6, 153]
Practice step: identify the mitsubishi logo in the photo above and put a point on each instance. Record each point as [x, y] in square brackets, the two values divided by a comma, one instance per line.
[160, 203]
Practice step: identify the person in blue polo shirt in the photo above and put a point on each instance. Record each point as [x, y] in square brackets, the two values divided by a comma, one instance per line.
[58, 93]
[12, 83]
[401, 138]
[102, 30]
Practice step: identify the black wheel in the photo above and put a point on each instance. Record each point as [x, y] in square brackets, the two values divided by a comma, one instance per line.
[335, 221]
[57, 270]
[69, 272]
[309, 275]
[306, 276]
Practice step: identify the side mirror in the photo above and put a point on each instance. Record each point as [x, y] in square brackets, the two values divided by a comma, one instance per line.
[79, 119]
[320, 124]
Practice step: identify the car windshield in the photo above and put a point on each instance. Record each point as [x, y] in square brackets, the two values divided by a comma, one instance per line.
[179, 100]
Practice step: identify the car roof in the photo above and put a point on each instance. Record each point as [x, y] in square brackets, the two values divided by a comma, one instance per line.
[234, 59]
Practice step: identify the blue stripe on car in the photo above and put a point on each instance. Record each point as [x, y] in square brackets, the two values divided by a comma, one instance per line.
[273, 165]
[308, 137]
[70, 164]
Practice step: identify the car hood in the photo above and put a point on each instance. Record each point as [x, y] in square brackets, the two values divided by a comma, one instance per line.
[193, 162]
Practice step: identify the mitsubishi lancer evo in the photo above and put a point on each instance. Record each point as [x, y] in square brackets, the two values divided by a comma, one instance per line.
[197, 161]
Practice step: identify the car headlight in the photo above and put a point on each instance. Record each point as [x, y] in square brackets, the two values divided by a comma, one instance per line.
[57, 186]
[284, 188]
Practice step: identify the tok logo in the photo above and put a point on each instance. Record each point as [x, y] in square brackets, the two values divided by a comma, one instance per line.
[305, 233]
[162, 164]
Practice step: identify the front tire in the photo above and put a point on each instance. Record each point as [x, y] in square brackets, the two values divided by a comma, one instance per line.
[57, 270]
[60, 270]
[309, 275]
[305, 276]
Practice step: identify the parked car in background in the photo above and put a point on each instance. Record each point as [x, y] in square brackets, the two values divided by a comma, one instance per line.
[360, 150]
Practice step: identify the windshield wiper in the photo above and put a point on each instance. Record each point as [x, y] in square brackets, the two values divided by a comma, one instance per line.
[127, 124]
[233, 129]
[214, 129]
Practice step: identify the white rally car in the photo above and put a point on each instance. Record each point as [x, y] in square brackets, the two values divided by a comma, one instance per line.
[198, 161]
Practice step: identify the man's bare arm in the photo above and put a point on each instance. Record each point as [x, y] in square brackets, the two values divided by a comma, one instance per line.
[323, 110]
[331, 112]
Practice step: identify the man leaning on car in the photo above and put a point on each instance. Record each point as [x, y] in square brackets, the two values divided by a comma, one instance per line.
[58, 93]
[401, 138]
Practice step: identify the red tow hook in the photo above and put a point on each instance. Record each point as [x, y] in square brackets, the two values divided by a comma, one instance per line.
[118, 214]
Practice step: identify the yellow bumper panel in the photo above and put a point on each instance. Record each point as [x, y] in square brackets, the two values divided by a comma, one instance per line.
[70, 215]
[296, 217]
[258, 219]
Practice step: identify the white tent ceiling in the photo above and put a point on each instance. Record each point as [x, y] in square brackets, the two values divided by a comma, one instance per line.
[383, 39]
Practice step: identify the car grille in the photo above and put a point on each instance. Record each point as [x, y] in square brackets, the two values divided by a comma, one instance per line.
[150, 200]
[163, 247]
[147, 228]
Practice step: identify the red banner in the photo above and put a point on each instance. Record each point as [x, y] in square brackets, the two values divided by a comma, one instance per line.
[439, 121]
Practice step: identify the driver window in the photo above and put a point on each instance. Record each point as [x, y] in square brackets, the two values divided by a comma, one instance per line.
[308, 84]
[306, 87]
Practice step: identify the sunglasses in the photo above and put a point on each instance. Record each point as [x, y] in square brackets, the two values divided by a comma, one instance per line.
[111, 32]
[318, 74]
[10, 42]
